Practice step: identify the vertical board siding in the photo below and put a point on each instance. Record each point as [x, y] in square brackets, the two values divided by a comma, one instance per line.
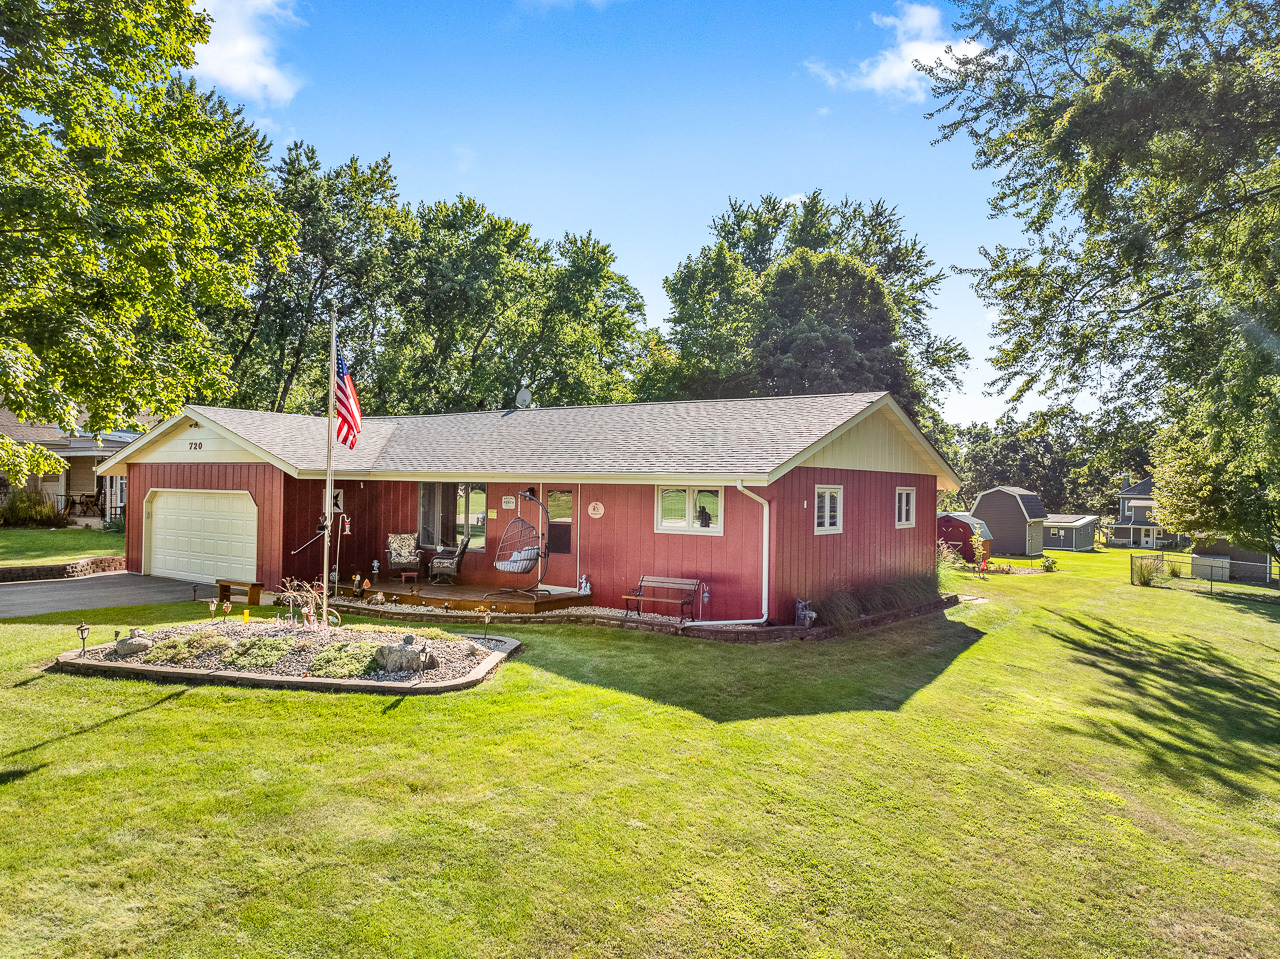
[1004, 517]
[376, 509]
[613, 551]
[263, 482]
[868, 551]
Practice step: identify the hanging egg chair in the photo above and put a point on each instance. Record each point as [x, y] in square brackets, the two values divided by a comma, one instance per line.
[521, 549]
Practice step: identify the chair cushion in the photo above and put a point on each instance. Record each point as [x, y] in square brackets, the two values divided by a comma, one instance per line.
[402, 548]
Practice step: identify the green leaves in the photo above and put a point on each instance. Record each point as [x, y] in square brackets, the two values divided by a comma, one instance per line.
[806, 296]
[127, 197]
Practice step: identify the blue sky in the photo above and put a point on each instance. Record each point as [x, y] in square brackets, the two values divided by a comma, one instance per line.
[633, 119]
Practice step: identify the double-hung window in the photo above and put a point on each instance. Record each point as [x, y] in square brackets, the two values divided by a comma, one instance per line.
[828, 513]
[689, 509]
[906, 508]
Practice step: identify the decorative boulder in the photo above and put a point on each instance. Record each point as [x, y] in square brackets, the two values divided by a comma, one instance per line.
[135, 642]
[404, 658]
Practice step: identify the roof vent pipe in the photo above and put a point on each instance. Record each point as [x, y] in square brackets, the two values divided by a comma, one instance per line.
[764, 571]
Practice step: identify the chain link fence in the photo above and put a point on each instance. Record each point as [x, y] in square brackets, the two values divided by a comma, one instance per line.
[1207, 574]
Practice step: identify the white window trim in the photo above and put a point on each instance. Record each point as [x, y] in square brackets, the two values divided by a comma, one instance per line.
[829, 530]
[897, 497]
[690, 494]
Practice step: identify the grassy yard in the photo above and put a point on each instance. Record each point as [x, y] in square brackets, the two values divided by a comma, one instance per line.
[1075, 768]
[40, 547]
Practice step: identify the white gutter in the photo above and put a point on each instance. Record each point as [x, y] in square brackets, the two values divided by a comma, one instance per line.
[764, 573]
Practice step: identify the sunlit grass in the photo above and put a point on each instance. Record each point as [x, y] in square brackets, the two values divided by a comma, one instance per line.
[1077, 767]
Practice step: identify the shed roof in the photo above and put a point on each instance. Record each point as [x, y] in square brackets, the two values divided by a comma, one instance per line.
[1032, 508]
[755, 436]
[1069, 519]
[975, 524]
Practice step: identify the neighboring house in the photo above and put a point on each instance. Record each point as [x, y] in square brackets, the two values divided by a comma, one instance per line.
[1074, 531]
[765, 500]
[83, 453]
[1015, 517]
[1136, 525]
[957, 530]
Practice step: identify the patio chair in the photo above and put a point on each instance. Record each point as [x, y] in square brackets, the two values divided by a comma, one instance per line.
[403, 555]
[447, 563]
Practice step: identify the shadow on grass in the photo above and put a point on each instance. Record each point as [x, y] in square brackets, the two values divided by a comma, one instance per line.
[724, 682]
[8, 776]
[1192, 711]
[98, 725]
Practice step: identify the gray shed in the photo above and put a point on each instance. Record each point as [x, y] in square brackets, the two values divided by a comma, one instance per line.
[1015, 517]
[1073, 531]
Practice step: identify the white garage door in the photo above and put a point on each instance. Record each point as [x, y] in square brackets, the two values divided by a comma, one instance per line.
[202, 536]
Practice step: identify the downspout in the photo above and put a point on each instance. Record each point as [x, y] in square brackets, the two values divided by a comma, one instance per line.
[764, 572]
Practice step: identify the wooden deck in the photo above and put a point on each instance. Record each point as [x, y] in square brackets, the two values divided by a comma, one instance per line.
[464, 597]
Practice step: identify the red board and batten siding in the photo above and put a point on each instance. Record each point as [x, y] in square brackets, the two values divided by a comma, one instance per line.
[262, 481]
[376, 508]
[615, 550]
[869, 550]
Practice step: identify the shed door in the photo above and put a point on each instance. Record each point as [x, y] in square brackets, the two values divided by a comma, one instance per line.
[201, 536]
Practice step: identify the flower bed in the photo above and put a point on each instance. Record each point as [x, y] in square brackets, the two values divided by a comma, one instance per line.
[269, 649]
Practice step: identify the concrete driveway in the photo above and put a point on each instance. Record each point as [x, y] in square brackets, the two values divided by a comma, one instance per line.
[94, 592]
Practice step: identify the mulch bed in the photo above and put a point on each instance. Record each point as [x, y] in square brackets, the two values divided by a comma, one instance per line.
[456, 658]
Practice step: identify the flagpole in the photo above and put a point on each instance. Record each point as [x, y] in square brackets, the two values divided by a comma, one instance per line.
[327, 516]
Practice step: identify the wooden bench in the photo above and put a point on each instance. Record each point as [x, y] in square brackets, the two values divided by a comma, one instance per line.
[688, 588]
[253, 589]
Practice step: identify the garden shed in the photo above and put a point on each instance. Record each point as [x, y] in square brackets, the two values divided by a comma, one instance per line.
[1073, 531]
[957, 531]
[1015, 517]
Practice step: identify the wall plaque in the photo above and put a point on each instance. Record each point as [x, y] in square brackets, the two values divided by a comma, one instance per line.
[595, 510]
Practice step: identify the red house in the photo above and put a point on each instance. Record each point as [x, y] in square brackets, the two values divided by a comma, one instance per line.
[765, 500]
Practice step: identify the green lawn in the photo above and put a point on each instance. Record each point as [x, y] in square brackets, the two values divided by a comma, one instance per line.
[1076, 768]
[40, 547]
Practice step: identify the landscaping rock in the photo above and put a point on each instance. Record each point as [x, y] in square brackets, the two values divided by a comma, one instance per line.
[403, 658]
[129, 645]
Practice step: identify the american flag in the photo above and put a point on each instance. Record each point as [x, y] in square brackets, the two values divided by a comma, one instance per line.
[347, 405]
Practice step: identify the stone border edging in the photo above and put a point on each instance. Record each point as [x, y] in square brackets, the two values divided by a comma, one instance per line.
[72, 570]
[70, 662]
[722, 634]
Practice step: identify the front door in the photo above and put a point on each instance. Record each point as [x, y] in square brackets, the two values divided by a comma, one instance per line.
[1148, 537]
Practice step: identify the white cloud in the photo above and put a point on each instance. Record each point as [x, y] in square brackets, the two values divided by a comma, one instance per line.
[240, 57]
[918, 36]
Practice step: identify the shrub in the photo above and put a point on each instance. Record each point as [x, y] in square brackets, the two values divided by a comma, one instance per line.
[344, 660]
[1175, 571]
[179, 649]
[844, 608]
[258, 652]
[948, 556]
[1048, 564]
[115, 524]
[31, 508]
[1144, 572]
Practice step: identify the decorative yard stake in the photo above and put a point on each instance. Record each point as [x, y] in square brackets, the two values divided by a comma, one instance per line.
[83, 632]
[226, 608]
[213, 609]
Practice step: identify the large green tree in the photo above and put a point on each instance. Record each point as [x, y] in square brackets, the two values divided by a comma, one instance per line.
[804, 296]
[1138, 141]
[349, 220]
[127, 197]
[483, 308]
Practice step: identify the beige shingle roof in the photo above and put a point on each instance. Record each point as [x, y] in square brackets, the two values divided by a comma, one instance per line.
[753, 435]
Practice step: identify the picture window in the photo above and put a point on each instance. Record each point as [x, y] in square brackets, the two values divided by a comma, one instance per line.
[689, 509]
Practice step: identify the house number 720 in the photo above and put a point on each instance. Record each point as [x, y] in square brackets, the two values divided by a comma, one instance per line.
[195, 446]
